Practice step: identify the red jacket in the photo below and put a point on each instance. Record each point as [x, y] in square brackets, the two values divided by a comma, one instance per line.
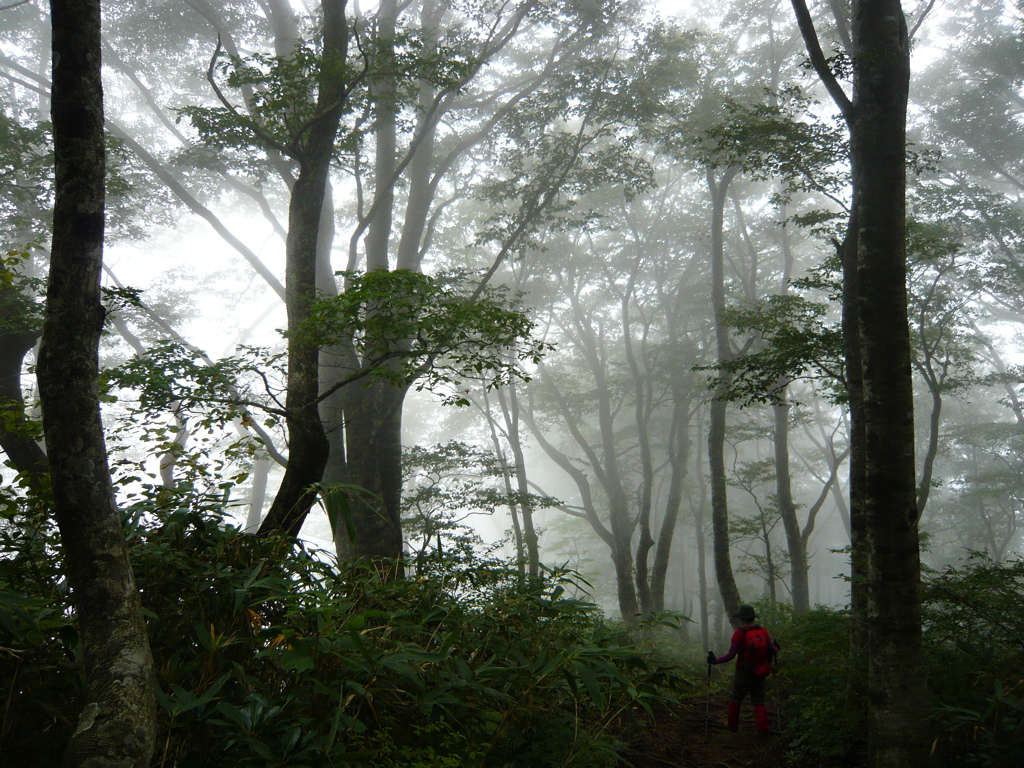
[736, 644]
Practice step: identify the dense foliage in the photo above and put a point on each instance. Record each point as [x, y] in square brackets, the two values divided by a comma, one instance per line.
[974, 643]
[271, 656]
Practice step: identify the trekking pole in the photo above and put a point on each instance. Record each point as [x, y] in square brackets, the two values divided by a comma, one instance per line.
[777, 695]
[707, 701]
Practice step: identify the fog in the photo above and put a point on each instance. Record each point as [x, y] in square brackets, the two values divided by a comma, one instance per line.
[572, 159]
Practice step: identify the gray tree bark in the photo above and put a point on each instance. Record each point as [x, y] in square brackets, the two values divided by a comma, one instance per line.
[117, 726]
[897, 694]
[16, 440]
[876, 330]
[308, 445]
[716, 427]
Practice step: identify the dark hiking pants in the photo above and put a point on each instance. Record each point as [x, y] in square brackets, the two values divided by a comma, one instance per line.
[743, 683]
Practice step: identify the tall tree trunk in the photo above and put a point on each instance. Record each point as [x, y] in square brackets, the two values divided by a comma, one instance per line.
[383, 93]
[641, 418]
[702, 557]
[373, 411]
[784, 493]
[421, 165]
[884, 520]
[855, 395]
[373, 436]
[510, 412]
[679, 456]
[795, 541]
[897, 731]
[716, 429]
[506, 478]
[858, 467]
[117, 726]
[308, 445]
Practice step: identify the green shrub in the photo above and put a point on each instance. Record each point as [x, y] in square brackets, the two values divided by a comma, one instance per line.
[40, 660]
[812, 685]
[267, 655]
[974, 638]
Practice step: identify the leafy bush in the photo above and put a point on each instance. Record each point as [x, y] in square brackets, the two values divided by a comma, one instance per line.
[813, 685]
[40, 660]
[975, 642]
[974, 649]
[269, 656]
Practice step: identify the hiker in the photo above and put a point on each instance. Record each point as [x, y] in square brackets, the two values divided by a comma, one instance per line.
[754, 649]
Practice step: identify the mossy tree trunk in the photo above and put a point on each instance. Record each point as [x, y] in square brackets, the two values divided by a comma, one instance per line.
[117, 726]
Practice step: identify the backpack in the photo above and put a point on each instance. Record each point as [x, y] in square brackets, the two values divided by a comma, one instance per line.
[757, 651]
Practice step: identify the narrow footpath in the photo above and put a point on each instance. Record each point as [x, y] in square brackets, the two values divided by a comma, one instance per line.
[683, 738]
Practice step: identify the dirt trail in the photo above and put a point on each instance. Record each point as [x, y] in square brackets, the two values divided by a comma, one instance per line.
[678, 738]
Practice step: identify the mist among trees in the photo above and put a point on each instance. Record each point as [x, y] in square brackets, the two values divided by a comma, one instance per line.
[430, 382]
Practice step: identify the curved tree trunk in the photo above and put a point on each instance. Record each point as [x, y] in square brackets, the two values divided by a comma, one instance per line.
[117, 726]
[924, 489]
[716, 428]
[308, 446]
[16, 433]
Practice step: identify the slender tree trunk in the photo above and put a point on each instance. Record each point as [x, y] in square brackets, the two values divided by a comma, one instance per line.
[702, 572]
[924, 488]
[716, 429]
[506, 478]
[422, 163]
[698, 512]
[308, 445]
[17, 438]
[795, 541]
[679, 450]
[784, 492]
[117, 726]
[510, 412]
[769, 559]
[641, 416]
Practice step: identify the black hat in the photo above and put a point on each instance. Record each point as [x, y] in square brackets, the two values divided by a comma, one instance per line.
[746, 613]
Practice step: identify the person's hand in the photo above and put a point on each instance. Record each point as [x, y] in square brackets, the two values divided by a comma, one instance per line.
[712, 659]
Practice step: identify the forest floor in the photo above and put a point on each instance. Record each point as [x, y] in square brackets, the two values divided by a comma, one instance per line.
[684, 737]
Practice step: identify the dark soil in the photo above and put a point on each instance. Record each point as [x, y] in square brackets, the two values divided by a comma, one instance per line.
[683, 737]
